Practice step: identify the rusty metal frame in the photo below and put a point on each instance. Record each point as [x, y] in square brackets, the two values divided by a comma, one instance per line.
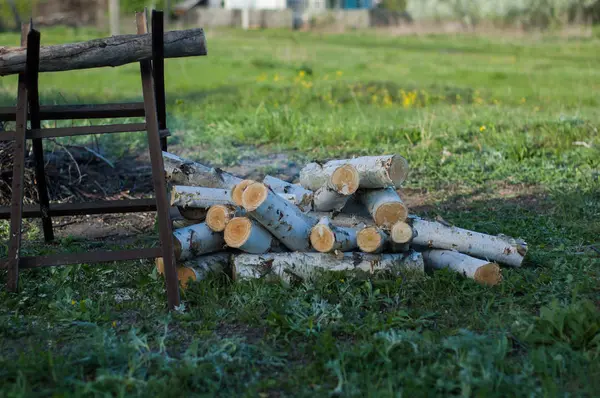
[153, 109]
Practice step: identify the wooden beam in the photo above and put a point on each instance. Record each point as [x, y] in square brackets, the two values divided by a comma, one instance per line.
[110, 51]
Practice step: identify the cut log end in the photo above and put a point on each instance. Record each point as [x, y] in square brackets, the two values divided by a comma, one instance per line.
[391, 213]
[322, 238]
[160, 265]
[254, 195]
[401, 232]
[238, 190]
[398, 170]
[369, 239]
[237, 231]
[185, 276]
[488, 274]
[345, 179]
[218, 217]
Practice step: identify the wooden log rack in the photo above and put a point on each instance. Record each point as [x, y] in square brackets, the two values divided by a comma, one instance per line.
[153, 109]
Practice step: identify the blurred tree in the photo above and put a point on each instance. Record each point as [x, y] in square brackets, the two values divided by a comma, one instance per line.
[394, 5]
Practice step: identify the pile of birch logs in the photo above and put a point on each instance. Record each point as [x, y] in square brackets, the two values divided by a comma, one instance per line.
[342, 215]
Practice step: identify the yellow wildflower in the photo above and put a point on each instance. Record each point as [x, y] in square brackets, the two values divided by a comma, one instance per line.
[262, 77]
[523, 100]
[482, 128]
[276, 77]
[339, 73]
[73, 302]
[301, 73]
[114, 324]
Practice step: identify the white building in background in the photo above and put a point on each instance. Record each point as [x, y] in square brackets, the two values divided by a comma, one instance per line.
[255, 4]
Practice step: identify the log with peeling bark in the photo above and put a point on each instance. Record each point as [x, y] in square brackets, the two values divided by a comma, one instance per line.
[219, 216]
[307, 266]
[501, 249]
[284, 220]
[384, 205]
[375, 240]
[199, 197]
[186, 172]
[106, 52]
[304, 197]
[249, 236]
[374, 171]
[326, 237]
[196, 240]
[200, 268]
[482, 271]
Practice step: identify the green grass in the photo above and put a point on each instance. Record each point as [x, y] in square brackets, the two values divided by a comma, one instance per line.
[492, 128]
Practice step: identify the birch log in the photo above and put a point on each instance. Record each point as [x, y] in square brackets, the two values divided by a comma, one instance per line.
[109, 51]
[375, 240]
[199, 197]
[304, 197]
[249, 236]
[307, 266]
[384, 205]
[501, 249]
[195, 240]
[481, 271]
[219, 216]
[284, 220]
[186, 172]
[326, 237]
[334, 195]
[199, 268]
[374, 171]
[238, 190]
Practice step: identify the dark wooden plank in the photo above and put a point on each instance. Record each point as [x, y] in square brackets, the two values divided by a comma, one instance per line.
[31, 74]
[87, 208]
[83, 111]
[158, 176]
[16, 210]
[158, 71]
[94, 257]
[81, 130]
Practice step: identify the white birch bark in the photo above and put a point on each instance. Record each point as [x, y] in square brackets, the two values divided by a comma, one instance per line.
[195, 240]
[501, 249]
[344, 220]
[375, 171]
[484, 272]
[326, 237]
[186, 172]
[199, 197]
[304, 197]
[248, 235]
[384, 205]
[284, 220]
[308, 266]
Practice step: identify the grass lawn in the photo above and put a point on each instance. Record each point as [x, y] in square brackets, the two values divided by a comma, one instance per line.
[502, 137]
